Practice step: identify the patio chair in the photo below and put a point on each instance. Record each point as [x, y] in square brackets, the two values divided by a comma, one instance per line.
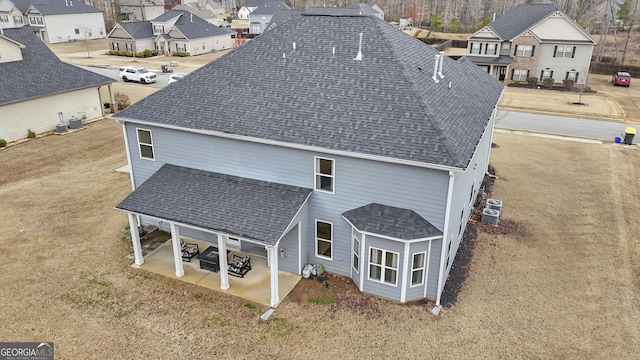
[188, 250]
[239, 266]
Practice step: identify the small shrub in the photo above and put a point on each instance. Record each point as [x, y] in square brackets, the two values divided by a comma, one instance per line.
[3, 142]
[415, 35]
[548, 83]
[568, 84]
[532, 80]
[122, 53]
[31, 134]
[155, 52]
[113, 52]
[180, 53]
[587, 89]
[516, 83]
[122, 100]
[229, 19]
[147, 53]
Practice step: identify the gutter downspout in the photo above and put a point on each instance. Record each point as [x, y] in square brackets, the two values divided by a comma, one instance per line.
[443, 249]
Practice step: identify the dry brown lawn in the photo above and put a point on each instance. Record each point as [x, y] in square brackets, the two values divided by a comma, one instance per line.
[564, 286]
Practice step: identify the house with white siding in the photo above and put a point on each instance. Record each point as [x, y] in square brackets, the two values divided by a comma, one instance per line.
[38, 90]
[10, 16]
[533, 40]
[56, 21]
[140, 10]
[262, 15]
[363, 152]
[173, 31]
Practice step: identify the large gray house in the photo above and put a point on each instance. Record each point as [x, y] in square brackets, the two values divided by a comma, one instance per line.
[349, 144]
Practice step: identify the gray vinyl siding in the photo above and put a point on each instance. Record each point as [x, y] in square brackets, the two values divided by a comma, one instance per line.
[377, 288]
[434, 269]
[417, 292]
[355, 275]
[357, 182]
[289, 242]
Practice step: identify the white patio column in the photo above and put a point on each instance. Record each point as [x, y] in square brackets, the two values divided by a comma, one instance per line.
[222, 259]
[135, 240]
[272, 255]
[177, 250]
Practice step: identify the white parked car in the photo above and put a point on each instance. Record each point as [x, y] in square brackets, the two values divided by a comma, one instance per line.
[136, 73]
[175, 77]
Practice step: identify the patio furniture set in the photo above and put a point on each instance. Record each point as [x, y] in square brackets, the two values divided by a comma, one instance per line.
[239, 266]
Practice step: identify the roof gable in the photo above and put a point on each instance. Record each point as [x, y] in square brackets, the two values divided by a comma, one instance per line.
[194, 27]
[558, 26]
[519, 19]
[136, 30]
[40, 73]
[59, 7]
[318, 96]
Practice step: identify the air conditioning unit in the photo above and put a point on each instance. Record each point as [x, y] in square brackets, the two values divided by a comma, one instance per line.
[490, 216]
[494, 204]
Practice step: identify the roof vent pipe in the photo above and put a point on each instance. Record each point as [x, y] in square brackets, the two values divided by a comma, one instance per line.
[191, 18]
[284, 56]
[294, 45]
[440, 66]
[494, 17]
[70, 3]
[359, 56]
[334, 50]
[435, 69]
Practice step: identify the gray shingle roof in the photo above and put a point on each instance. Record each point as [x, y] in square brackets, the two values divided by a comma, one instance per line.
[251, 209]
[282, 16]
[270, 8]
[333, 11]
[192, 26]
[57, 7]
[391, 221]
[501, 60]
[365, 7]
[137, 29]
[385, 105]
[520, 18]
[40, 73]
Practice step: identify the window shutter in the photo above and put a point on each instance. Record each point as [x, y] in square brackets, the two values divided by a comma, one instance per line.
[515, 50]
[576, 79]
[541, 75]
[555, 50]
[533, 50]
[567, 76]
[480, 49]
[551, 76]
[495, 49]
[527, 74]
[573, 54]
[512, 70]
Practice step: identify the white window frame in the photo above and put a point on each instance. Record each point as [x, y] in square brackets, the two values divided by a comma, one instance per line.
[572, 75]
[517, 75]
[383, 266]
[4, 18]
[475, 48]
[505, 49]
[158, 29]
[546, 74]
[181, 47]
[419, 268]
[490, 48]
[141, 144]
[317, 173]
[330, 241]
[356, 253]
[18, 19]
[564, 51]
[524, 50]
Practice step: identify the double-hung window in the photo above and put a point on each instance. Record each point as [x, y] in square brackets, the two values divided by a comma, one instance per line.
[490, 49]
[181, 47]
[417, 268]
[572, 75]
[383, 266]
[356, 254]
[505, 48]
[475, 48]
[546, 74]
[145, 144]
[4, 18]
[520, 75]
[17, 19]
[564, 51]
[324, 174]
[524, 50]
[324, 239]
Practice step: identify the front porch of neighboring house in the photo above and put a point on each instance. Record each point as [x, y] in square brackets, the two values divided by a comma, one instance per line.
[254, 286]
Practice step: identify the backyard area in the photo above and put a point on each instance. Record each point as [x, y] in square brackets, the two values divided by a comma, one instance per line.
[563, 284]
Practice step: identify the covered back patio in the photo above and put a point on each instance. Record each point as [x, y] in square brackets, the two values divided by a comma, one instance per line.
[222, 210]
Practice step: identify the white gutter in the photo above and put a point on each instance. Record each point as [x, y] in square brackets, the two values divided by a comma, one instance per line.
[443, 249]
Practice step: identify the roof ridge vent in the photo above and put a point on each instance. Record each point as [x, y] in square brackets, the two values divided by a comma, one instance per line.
[440, 66]
[70, 3]
[435, 69]
[359, 56]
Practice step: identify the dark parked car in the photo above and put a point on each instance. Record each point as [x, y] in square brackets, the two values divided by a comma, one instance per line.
[621, 78]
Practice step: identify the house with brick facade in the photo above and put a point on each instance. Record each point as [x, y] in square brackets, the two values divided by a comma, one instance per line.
[533, 40]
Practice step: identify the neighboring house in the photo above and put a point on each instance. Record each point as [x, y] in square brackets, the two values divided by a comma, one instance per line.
[369, 9]
[38, 90]
[249, 6]
[333, 11]
[205, 10]
[533, 40]
[56, 21]
[136, 10]
[366, 161]
[175, 30]
[280, 17]
[261, 16]
[10, 16]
